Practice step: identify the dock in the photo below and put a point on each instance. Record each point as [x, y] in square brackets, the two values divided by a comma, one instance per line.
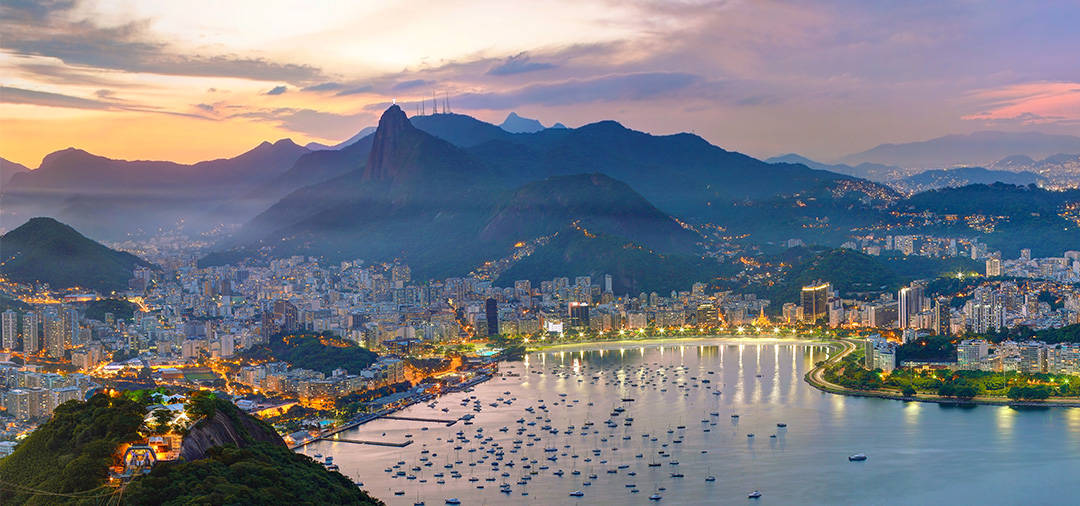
[447, 421]
[374, 443]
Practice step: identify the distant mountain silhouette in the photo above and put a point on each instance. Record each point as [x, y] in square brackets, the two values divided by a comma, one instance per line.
[111, 198]
[9, 169]
[979, 148]
[872, 171]
[45, 250]
[518, 125]
[963, 176]
[364, 132]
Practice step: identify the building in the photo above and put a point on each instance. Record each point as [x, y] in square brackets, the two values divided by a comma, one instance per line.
[1032, 357]
[491, 312]
[879, 354]
[993, 267]
[9, 330]
[910, 300]
[579, 315]
[31, 338]
[815, 301]
[970, 353]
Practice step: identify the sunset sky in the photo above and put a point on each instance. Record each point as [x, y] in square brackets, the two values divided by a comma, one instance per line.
[197, 79]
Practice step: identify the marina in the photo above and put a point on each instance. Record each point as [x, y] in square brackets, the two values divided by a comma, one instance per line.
[638, 425]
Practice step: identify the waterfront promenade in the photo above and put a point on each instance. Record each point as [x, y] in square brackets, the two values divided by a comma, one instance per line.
[816, 378]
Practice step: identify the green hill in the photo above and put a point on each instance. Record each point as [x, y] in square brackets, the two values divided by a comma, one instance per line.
[66, 460]
[634, 268]
[45, 250]
[319, 352]
[71, 453]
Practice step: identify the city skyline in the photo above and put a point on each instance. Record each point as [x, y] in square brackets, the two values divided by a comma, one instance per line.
[157, 81]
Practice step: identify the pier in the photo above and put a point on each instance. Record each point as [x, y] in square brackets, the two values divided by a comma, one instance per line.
[447, 421]
[374, 443]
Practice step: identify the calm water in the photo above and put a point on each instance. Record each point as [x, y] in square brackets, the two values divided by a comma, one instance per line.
[918, 453]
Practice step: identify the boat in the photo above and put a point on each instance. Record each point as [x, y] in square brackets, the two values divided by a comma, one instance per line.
[655, 497]
[781, 425]
[710, 478]
[453, 500]
[577, 493]
[858, 457]
[753, 495]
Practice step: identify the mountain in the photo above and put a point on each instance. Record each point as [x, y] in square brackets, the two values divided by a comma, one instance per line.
[872, 171]
[578, 251]
[422, 200]
[1062, 170]
[364, 132]
[962, 176]
[518, 125]
[9, 169]
[1004, 216]
[593, 202]
[460, 130]
[228, 457]
[979, 148]
[447, 192]
[115, 198]
[558, 126]
[45, 250]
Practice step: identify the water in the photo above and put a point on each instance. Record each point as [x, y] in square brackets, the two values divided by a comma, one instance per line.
[918, 453]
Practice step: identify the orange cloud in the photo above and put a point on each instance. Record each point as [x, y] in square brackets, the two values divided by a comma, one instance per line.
[1029, 103]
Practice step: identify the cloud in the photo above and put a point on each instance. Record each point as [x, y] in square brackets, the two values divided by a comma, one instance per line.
[1028, 104]
[518, 64]
[413, 83]
[354, 91]
[325, 125]
[277, 90]
[637, 86]
[11, 95]
[47, 29]
[328, 86]
[205, 107]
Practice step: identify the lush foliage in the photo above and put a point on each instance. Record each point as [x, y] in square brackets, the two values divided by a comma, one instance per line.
[120, 308]
[258, 474]
[319, 352]
[71, 453]
[927, 349]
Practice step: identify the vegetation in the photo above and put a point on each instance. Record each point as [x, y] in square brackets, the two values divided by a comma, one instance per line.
[71, 453]
[927, 349]
[633, 268]
[258, 474]
[120, 308]
[262, 471]
[320, 352]
[45, 250]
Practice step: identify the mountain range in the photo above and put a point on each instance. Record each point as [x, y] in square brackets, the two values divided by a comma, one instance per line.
[113, 198]
[44, 250]
[979, 148]
[447, 193]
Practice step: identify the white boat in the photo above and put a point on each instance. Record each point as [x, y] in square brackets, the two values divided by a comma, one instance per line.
[753, 495]
[858, 457]
[577, 493]
[655, 497]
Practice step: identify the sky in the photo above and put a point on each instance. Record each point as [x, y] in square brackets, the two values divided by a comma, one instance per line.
[202, 79]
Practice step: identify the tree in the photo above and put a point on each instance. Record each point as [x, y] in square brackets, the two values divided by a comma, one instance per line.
[909, 391]
[162, 417]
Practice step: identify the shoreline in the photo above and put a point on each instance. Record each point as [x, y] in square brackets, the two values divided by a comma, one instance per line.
[815, 379]
[661, 340]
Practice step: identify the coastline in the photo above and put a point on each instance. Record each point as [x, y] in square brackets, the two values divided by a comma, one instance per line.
[662, 340]
[816, 379]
